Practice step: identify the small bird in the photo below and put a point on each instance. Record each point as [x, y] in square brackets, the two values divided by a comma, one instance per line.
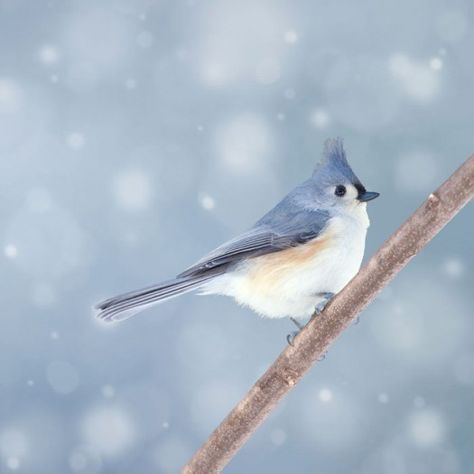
[291, 262]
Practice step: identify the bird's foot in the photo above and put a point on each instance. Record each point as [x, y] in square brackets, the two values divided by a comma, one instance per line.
[291, 337]
[297, 323]
[326, 297]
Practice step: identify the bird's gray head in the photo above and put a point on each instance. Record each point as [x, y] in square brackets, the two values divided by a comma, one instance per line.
[334, 181]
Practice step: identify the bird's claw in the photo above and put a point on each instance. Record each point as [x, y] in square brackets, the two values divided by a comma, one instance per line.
[291, 337]
[325, 298]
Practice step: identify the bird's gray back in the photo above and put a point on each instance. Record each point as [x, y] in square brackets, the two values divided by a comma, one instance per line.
[287, 225]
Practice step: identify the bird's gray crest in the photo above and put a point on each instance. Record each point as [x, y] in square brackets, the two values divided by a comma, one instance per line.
[334, 168]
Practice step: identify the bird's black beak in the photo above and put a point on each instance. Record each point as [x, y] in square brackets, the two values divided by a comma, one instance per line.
[367, 196]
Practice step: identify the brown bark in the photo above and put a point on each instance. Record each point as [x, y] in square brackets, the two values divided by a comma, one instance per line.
[314, 340]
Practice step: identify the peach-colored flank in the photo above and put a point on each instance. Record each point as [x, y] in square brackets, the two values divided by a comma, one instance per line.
[268, 270]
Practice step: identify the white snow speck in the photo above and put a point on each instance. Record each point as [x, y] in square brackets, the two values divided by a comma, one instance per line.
[13, 445]
[13, 463]
[244, 144]
[325, 395]
[319, 118]
[10, 251]
[291, 37]
[109, 429]
[416, 79]
[454, 268]
[75, 140]
[436, 63]
[206, 201]
[383, 398]
[132, 190]
[49, 54]
[427, 428]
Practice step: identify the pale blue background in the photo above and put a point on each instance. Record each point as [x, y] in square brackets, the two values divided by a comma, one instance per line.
[135, 135]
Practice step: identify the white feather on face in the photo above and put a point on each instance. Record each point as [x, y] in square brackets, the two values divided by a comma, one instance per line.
[349, 197]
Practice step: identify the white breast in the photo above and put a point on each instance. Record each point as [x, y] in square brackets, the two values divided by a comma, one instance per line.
[287, 283]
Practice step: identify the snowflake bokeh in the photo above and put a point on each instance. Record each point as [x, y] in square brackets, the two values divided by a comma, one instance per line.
[136, 135]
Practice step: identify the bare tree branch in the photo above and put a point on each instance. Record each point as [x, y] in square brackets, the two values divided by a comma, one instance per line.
[314, 340]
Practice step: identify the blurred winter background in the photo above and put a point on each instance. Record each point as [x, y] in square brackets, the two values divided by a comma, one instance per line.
[135, 135]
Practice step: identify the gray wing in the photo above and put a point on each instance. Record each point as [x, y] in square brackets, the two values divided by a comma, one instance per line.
[280, 229]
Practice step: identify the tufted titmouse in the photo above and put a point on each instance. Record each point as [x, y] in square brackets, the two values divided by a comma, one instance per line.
[291, 262]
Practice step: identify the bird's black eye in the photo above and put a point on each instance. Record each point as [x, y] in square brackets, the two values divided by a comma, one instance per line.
[340, 190]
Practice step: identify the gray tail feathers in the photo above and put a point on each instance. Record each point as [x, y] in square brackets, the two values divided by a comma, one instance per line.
[124, 306]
